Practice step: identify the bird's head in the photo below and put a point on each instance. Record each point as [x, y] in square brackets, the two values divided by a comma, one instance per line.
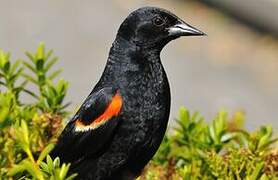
[154, 27]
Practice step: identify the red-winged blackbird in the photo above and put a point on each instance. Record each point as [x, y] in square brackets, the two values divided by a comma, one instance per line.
[121, 124]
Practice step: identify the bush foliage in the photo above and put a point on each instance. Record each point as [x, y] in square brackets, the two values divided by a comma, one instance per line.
[194, 149]
[28, 130]
[222, 149]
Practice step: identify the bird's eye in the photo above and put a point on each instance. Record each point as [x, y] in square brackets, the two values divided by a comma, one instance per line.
[158, 21]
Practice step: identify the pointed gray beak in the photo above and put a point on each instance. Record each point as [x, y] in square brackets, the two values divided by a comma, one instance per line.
[183, 29]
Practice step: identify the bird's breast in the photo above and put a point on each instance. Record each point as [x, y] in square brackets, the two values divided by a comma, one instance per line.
[146, 105]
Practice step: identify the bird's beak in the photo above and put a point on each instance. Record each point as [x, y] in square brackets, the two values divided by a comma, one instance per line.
[184, 29]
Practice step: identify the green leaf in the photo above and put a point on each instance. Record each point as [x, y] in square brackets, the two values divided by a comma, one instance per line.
[49, 162]
[29, 78]
[265, 133]
[54, 74]
[30, 56]
[44, 167]
[71, 177]
[15, 76]
[4, 58]
[64, 171]
[48, 54]
[56, 162]
[15, 66]
[212, 133]
[40, 51]
[45, 152]
[29, 66]
[51, 63]
[184, 116]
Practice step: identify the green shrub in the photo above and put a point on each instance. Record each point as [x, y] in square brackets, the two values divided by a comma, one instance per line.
[219, 150]
[222, 149]
[28, 130]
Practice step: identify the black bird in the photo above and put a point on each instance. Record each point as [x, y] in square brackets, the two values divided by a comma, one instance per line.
[121, 124]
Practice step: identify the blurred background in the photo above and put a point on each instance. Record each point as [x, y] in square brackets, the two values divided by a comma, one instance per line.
[234, 68]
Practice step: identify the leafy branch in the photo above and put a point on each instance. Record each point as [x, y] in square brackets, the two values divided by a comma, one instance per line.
[28, 130]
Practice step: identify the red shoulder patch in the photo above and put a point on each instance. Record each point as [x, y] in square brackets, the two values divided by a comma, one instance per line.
[113, 109]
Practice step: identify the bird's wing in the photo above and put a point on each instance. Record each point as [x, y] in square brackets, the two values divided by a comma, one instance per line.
[91, 128]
